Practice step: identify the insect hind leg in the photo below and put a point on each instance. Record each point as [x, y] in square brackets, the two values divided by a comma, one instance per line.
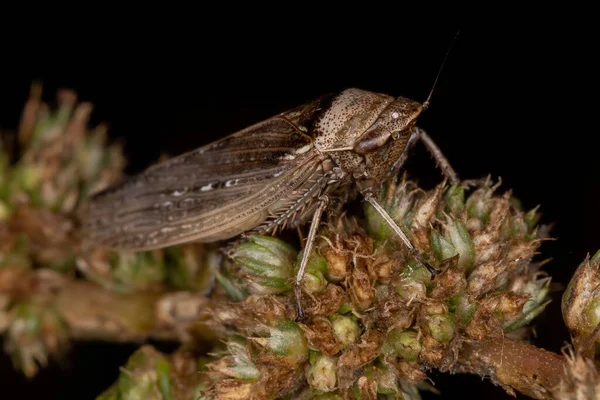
[310, 240]
[441, 160]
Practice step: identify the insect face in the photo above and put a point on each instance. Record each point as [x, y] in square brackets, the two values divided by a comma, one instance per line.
[395, 121]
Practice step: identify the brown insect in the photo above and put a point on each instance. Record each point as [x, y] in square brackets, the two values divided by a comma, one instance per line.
[281, 172]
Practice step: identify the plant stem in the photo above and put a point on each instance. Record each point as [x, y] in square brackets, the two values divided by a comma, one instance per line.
[91, 312]
[514, 365]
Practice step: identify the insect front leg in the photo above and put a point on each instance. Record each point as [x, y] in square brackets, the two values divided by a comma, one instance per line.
[310, 240]
[441, 160]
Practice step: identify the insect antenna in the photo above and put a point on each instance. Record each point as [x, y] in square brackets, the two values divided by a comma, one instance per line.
[426, 102]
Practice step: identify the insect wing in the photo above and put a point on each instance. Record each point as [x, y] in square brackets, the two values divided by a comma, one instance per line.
[211, 193]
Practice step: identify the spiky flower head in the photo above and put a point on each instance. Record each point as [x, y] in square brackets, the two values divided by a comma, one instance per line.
[378, 321]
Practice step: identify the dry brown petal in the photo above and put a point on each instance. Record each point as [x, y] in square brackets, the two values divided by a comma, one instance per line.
[432, 351]
[179, 310]
[337, 263]
[581, 378]
[358, 355]
[450, 281]
[521, 252]
[511, 305]
[498, 219]
[433, 307]
[361, 291]
[485, 323]
[367, 388]
[252, 315]
[428, 207]
[320, 336]
[268, 309]
[487, 250]
[326, 303]
[232, 389]
[424, 214]
[485, 278]
[392, 312]
[474, 225]
[275, 381]
[412, 372]
[380, 268]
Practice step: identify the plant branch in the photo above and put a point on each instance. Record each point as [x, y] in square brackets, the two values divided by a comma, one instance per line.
[91, 312]
[514, 365]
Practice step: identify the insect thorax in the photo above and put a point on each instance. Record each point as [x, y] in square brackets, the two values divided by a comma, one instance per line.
[348, 116]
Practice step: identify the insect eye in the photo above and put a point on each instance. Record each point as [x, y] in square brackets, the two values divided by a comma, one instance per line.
[395, 115]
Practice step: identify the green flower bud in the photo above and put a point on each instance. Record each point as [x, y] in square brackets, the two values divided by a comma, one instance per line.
[592, 313]
[442, 248]
[398, 201]
[413, 270]
[537, 289]
[314, 281]
[269, 263]
[234, 288]
[455, 199]
[463, 308]
[440, 323]
[580, 300]
[406, 344]
[238, 364]
[140, 376]
[286, 340]
[457, 233]
[345, 330]
[478, 204]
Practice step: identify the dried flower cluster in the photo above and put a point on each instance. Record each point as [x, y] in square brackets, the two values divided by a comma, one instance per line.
[58, 164]
[52, 165]
[376, 320]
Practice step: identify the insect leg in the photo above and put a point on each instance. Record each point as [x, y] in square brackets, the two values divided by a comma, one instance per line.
[439, 157]
[371, 200]
[312, 233]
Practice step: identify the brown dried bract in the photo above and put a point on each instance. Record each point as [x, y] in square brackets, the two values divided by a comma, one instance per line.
[450, 282]
[392, 312]
[326, 303]
[337, 263]
[320, 336]
[357, 356]
[367, 388]
[485, 323]
[361, 291]
[412, 372]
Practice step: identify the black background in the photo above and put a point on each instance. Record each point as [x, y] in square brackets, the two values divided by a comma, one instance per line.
[513, 101]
